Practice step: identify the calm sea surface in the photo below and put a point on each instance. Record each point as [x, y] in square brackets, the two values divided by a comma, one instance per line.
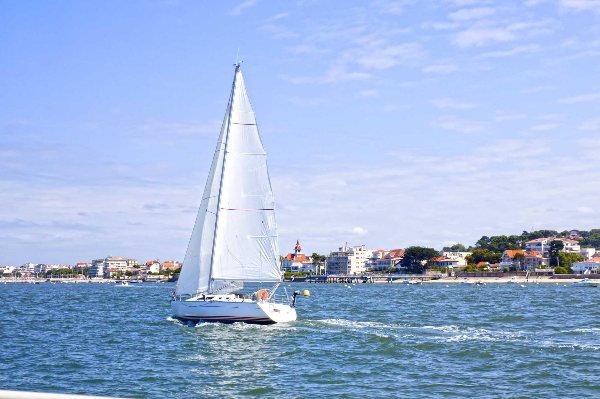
[362, 341]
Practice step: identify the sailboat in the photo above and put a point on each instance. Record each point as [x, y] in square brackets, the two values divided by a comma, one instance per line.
[234, 239]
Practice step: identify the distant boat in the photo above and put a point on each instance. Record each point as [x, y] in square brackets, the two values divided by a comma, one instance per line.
[234, 240]
[410, 282]
[586, 282]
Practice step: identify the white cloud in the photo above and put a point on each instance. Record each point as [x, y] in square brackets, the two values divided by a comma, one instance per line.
[519, 50]
[543, 127]
[243, 6]
[467, 14]
[379, 55]
[395, 7]
[585, 210]
[582, 98]
[590, 125]
[306, 101]
[450, 103]
[581, 5]
[481, 34]
[306, 49]
[443, 67]
[279, 16]
[336, 74]
[460, 125]
[369, 93]
[359, 231]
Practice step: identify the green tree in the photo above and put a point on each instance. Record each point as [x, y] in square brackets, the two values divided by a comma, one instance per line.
[560, 270]
[567, 259]
[455, 248]
[500, 243]
[415, 258]
[316, 258]
[590, 238]
[483, 255]
[538, 234]
[555, 247]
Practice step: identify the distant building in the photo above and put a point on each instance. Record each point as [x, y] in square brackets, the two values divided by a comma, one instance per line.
[458, 256]
[110, 266]
[442, 261]
[155, 268]
[7, 269]
[82, 265]
[587, 253]
[58, 266]
[97, 268]
[535, 260]
[297, 261]
[542, 245]
[508, 258]
[382, 260]
[349, 260]
[585, 267]
[170, 265]
[570, 245]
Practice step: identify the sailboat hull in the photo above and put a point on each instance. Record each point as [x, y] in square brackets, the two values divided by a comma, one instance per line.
[228, 311]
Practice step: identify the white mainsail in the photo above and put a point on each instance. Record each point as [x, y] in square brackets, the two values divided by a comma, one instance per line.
[235, 234]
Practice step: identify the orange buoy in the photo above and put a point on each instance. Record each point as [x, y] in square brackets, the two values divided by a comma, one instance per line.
[262, 294]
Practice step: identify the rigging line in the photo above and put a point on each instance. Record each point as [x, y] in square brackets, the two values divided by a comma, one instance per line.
[216, 226]
[248, 209]
[248, 153]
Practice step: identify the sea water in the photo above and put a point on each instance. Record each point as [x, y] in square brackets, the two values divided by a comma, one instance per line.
[351, 341]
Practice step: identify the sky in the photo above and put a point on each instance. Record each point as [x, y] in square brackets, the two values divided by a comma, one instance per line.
[387, 123]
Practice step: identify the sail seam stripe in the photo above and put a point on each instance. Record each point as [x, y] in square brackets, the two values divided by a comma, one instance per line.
[247, 153]
[248, 209]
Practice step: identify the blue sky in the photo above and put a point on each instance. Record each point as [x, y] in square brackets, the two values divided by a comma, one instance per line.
[387, 123]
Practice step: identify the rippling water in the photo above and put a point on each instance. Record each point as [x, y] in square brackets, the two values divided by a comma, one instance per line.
[429, 341]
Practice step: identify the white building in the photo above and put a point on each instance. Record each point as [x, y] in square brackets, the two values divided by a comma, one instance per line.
[97, 269]
[586, 267]
[383, 260]
[458, 256]
[349, 260]
[535, 260]
[587, 253]
[542, 245]
[110, 266]
[155, 268]
[7, 269]
[297, 261]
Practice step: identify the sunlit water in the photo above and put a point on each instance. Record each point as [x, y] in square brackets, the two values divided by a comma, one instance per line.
[366, 340]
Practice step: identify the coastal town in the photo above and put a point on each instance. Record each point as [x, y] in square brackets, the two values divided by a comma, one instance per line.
[547, 253]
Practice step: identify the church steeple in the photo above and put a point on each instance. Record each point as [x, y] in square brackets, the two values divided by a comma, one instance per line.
[298, 247]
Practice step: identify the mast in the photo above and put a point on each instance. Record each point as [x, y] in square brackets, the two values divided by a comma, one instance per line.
[218, 210]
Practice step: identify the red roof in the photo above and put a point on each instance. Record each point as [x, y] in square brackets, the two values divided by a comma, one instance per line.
[512, 252]
[395, 253]
[298, 258]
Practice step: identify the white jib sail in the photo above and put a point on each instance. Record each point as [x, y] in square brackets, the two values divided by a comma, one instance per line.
[245, 240]
[195, 273]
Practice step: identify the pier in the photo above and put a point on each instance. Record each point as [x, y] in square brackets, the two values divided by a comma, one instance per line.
[363, 278]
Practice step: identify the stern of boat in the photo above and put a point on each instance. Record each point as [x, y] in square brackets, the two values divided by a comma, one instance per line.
[278, 312]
